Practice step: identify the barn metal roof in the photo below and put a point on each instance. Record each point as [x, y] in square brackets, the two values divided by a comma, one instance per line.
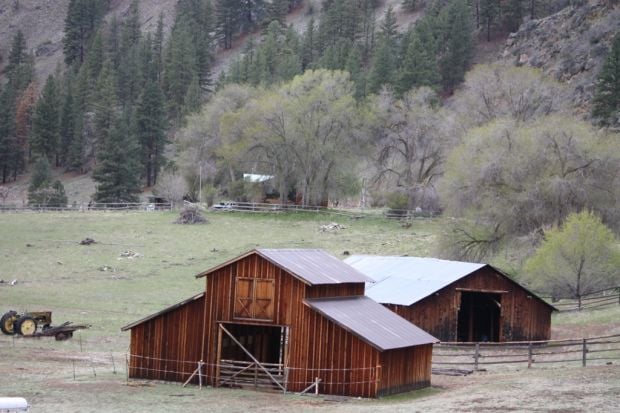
[407, 280]
[312, 266]
[162, 312]
[371, 322]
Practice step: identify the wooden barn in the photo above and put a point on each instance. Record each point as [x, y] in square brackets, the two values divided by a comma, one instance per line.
[283, 319]
[456, 301]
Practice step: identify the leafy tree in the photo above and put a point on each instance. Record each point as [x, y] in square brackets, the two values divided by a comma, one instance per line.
[499, 91]
[575, 259]
[42, 192]
[118, 167]
[606, 104]
[410, 145]
[514, 179]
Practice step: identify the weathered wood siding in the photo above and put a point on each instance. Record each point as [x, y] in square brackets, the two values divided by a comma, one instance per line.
[168, 347]
[405, 369]
[522, 318]
[317, 347]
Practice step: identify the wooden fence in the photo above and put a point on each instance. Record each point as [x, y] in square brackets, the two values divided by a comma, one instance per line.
[84, 207]
[484, 356]
[598, 299]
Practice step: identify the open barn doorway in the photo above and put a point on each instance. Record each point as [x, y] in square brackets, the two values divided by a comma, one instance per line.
[479, 316]
[252, 355]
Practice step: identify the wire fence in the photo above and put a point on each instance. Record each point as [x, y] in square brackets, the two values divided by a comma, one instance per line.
[556, 353]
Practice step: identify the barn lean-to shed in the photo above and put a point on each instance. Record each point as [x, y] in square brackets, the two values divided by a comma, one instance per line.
[282, 318]
[456, 301]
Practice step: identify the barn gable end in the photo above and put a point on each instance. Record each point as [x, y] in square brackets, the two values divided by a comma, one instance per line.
[261, 308]
[457, 301]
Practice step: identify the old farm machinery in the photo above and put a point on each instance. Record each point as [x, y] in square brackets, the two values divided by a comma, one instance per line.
[36, 324]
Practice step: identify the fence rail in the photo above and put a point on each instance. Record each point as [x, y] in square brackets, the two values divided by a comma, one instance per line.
[83, 207]
[598, 299]
[528, 353]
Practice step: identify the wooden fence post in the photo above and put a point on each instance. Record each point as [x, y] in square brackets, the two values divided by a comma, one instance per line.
[476, 356]
[584, 352]
[529, 355]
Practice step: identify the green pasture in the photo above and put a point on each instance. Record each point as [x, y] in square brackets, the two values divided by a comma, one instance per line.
[95, 284]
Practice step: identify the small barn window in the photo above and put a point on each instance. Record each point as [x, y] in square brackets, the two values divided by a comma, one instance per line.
[254, 298]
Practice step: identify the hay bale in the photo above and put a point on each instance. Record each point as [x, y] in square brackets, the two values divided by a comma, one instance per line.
[190, 215]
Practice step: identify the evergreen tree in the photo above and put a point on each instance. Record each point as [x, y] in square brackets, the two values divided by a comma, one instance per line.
[150, 129]
[106, 105]
[308, 47]
[227, 20]
[67, 125]
[42, 192]
[180, 68]
[46, 123]
[357, 75]
[410, 5]
[514, 13]
[420, 61]
[489, 10]
[83, 18]
[18, 54]
[457, 43]
[158, 48]
[606, 104]
[118, 168]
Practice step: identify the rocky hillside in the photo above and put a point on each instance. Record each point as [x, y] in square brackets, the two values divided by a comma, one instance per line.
[570, 46]
[42, 22]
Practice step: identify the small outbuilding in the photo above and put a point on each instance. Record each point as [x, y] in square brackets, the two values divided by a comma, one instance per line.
[283, 319]
[456, 301]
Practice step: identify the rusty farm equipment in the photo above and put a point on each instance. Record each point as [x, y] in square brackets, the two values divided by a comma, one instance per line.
[36, 324]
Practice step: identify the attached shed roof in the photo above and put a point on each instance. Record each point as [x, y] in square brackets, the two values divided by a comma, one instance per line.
[312, 266]
[407, 280]
[162, 312]
[372, 322]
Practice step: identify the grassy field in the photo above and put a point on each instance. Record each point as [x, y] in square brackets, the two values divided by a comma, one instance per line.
[95, 284]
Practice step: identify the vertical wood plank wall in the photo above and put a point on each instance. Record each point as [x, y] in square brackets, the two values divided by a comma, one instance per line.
[317, 347]
[522, 318]
[168, 347]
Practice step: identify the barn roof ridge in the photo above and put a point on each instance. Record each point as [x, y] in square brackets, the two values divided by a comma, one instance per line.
[405, 280]
[312, 266]
[371, 322]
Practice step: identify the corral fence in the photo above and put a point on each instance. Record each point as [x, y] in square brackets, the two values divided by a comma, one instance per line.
[598, 299]
[556, 353]
[91, 206]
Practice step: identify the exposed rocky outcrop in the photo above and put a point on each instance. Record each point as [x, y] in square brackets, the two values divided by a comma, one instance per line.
[570, 46]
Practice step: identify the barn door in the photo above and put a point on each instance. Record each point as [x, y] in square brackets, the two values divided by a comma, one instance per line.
[254, 298]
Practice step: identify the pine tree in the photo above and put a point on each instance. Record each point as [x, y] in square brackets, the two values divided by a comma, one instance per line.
[420, 61]
[118, 168]
[150, 129]
[410, 5]
[42, 192]
[106, 105]
[180, 68]
[46, 123]
[227, 20]
[606, 104]
[382, 71]
[158, 48]
[457, 43]
[83, 18]
[514, 13]
[358, 77]
[489, 10]
[308, 47]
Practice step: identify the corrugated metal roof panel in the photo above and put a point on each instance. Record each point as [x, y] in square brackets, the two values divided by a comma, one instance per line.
[407, 280]
[371, 322]
[162, 312]
[314, 266]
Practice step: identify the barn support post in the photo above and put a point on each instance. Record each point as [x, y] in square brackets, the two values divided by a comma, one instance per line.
[377, 380]
[200, 363]
[286, 372]
[584, 351]
[218, 357]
